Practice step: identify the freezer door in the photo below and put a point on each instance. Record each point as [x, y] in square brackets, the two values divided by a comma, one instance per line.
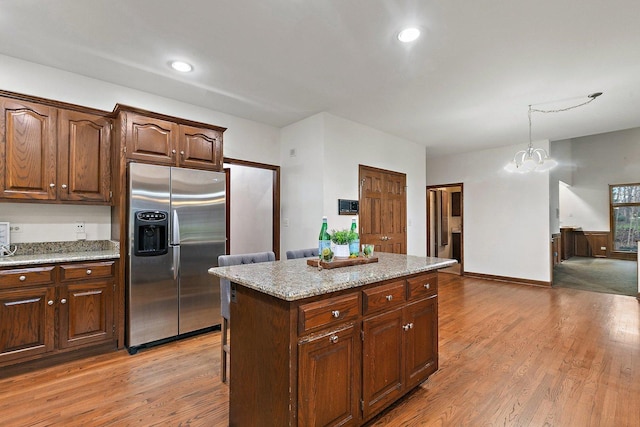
[198, 199]
[152, 292]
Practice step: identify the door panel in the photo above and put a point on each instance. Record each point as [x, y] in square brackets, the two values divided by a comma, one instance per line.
[153, 292]
[198, 198]
[27, 151]
[383, 367]
[383, 210]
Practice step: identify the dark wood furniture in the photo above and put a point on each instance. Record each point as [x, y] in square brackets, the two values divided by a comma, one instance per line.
[335, 359]
[50, 309]
[576, 242]
[158, 139]
[456, 246]
[456, 203]
[54, 154]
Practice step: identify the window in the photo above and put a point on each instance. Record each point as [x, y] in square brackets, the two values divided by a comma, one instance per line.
[625, 217]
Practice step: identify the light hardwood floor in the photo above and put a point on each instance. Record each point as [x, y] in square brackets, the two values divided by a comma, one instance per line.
[510, 355]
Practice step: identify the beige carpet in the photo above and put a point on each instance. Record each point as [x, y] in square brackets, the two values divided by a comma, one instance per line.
[610, 276]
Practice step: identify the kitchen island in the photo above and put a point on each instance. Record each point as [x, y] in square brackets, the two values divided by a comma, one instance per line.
[331, 346]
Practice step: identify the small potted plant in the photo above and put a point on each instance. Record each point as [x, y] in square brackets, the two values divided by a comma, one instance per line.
[340, 240]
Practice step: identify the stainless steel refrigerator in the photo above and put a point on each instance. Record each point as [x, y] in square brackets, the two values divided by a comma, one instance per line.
[177, 229]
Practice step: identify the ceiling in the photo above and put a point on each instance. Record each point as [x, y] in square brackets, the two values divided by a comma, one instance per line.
[464, 85]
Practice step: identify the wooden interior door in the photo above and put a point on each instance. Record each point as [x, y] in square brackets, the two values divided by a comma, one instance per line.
[383, 209]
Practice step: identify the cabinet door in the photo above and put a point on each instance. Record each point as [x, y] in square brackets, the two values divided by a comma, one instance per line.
[26, 322]
[383, 361]
[151, 140]
[27, 151]
[84, 157]
[421, 338]
[86, 313]
[200, 148]
[328, 378]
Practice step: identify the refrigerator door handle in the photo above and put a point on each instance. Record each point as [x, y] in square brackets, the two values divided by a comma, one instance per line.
[175, 266]
[175, 229]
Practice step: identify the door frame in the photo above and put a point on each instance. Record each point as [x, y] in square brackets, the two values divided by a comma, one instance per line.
[429, 219]
[276, 199]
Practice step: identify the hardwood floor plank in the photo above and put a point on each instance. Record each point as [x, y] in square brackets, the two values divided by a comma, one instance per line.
[509, 355]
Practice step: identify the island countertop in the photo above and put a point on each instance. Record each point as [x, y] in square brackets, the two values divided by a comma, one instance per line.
[291, 280]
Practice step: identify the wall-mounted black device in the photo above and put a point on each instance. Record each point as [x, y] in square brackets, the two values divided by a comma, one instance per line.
[348, 207]
[151, 233]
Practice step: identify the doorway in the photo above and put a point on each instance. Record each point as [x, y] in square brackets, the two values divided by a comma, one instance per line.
[445, 235]
[253, 207]
[383, 209]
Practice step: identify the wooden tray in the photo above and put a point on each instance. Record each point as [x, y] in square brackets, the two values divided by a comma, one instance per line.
[337, 263]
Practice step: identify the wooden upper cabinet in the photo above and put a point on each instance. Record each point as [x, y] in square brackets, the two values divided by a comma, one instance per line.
[53, 154]
[27, 151]
[200, 148]
[157, 139]
[84, 157]
[150, 139]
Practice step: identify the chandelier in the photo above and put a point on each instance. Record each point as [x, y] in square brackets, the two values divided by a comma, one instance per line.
[537, 159]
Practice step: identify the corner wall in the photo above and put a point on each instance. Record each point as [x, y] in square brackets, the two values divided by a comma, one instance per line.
[329, 150]
[244, 139]
[506, 216]
[597, 161]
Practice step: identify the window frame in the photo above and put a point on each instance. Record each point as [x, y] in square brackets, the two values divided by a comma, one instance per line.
[613, 252]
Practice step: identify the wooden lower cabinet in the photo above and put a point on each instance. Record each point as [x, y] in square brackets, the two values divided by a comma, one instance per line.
[87, 315]
[328, 377]
[27, 318]
[51, 309]
[383, 362]
[335, 360]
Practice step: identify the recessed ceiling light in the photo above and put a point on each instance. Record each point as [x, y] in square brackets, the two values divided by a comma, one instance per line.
[408, 35]
[181, 66]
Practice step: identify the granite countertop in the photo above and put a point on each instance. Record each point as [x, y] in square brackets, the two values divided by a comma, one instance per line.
[54, 252]
[293, 279]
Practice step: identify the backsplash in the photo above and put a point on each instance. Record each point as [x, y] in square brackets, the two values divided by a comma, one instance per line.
[65, 247]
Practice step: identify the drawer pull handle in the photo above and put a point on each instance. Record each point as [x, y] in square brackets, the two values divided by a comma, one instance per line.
[182, 153]
[64, 186]
[427, 286]
[333, 339]
[389, 297]
[22, 278]
[173, 151]
[50, 302]
[335, 313]
[63, 301]
[52, 185]
[89, 271]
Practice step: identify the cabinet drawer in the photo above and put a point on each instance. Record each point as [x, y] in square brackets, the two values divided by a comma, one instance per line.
[27, 276]
[422, 286]
[316, 315]
[384, 297]
[86, 271]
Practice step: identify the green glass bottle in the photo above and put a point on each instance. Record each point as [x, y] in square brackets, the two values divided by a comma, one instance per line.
[324, 242]
[354, 244]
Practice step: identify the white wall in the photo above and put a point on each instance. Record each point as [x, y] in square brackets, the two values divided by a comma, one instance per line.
[597, 161]
[329, 150]
[55, 223]
[302, 170]
[559, 176]
[506, 216]
[251, 210]
[244, 139]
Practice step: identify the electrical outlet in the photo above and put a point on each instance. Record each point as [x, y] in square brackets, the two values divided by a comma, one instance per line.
[16, 228]
[79, 226]
[603, 248]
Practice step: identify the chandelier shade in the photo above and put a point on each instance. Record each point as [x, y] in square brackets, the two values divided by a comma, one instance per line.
[538, 159]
